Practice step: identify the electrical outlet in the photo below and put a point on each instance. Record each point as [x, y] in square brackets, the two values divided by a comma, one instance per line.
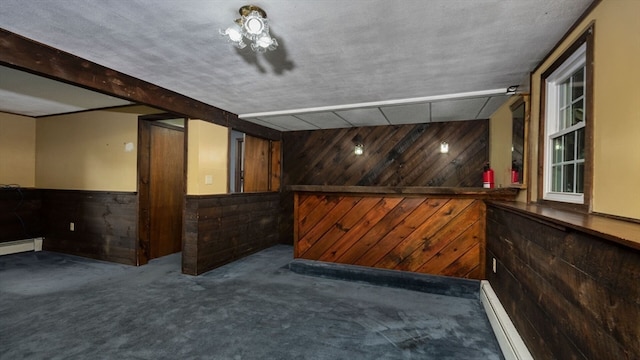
[208, 179]
[72, 227]
[494, 265]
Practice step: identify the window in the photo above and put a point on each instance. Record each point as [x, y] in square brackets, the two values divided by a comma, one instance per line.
[565, 128]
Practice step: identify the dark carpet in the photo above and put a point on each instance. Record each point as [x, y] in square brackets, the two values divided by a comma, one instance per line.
[55, 306]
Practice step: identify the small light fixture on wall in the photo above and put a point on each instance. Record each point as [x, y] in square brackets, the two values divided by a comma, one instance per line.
[444, 147]
[359, 146]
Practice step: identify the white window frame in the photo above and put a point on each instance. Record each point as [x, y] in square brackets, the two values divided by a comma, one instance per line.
[577, 60]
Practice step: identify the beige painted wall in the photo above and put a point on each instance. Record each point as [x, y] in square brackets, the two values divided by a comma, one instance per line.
[88, 151]
[17, 150]
[616, 107]
[207, 158]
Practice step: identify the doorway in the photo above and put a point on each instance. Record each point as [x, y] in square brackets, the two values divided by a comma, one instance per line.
[161, 185]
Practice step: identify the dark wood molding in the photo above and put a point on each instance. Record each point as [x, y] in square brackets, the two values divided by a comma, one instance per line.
[24, 54]
[590, 119]
[475, 193]
[622, 232]
[143, 248]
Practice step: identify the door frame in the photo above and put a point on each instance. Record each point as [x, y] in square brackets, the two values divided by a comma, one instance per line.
[143, 249]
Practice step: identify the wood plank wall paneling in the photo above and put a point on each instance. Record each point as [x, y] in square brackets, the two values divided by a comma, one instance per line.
[400, 155]
[570, 295]
[20, 210]
[223, 228]
[105, 224]
[436, 236]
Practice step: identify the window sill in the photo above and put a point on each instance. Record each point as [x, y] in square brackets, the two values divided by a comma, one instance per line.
[623, 232]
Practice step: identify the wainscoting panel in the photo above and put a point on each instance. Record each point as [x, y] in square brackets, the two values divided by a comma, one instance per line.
[104, 224]
[223, 228]
[571, 295]
[20, 211]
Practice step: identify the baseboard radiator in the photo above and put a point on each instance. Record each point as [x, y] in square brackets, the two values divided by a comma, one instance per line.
[511, 344]
[12, 247]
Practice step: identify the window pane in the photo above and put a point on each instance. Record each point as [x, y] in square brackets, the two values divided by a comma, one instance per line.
[568, 178]
[578, 84]
[577, 115]
[580, 148]
[569, 146]
[557, 150]
[568, 119]
[580, 178]
[562, 94]
[563, 118]
[556, 180]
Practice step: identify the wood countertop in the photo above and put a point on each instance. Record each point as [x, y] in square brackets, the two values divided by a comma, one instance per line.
[461, 192]
[622, 232]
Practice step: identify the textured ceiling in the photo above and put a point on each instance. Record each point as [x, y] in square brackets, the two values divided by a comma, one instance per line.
[339, 63]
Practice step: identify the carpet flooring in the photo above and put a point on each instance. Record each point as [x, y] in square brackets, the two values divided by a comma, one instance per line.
[56, 306]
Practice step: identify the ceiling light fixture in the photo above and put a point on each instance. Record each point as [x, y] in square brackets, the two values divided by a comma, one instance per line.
[254, 26]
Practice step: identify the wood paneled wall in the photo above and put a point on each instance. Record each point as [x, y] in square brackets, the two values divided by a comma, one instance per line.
[570, 295]
[443, 236]
[20, 214]
[222, 228]
[105, 224]
[400, 155]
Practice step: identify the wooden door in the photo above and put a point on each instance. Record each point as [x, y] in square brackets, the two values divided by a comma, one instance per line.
[166, 190]
[256, 164]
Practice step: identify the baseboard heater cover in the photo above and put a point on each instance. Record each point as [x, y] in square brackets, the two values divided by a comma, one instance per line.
[13, 247]
[511, 344]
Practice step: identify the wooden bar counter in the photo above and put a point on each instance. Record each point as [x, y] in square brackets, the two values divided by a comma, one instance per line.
[431, 230]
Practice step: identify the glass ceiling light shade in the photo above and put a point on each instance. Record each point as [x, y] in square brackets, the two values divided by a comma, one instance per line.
[252, 26]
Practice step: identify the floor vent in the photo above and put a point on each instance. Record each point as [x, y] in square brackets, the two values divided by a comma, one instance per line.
[18, 246]
[513, 348]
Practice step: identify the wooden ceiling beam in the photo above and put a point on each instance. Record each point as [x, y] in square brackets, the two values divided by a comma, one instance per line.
[25, 54]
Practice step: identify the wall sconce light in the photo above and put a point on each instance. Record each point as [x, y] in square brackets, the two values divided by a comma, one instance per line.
[444, 147]
[359, 143]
